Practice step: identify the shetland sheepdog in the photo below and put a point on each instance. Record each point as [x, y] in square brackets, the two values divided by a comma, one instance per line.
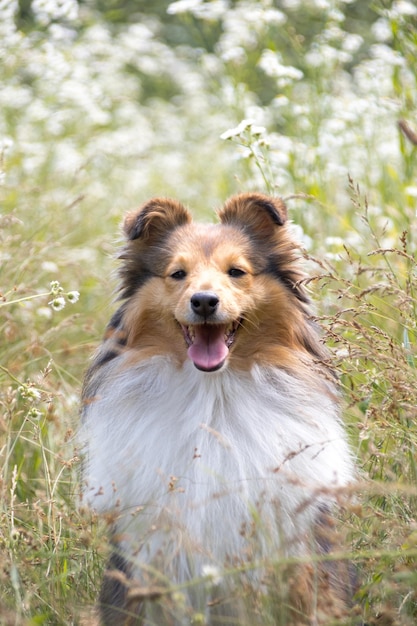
[211, 427]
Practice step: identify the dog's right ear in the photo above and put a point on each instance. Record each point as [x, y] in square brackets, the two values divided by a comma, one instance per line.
[147, 229]
[155, 219]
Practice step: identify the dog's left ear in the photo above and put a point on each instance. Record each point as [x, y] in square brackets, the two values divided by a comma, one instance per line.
[155, 219]
[255, 212]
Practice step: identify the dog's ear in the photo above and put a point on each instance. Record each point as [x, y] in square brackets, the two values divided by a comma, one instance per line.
[255, 212]
[145, 229]
[155, 219]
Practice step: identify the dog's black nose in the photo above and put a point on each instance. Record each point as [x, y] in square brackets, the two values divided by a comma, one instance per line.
[204, 303]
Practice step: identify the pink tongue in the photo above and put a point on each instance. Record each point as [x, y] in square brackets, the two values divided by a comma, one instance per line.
[208, 350]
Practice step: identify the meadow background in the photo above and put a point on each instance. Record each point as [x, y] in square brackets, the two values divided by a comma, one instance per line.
[104, 103]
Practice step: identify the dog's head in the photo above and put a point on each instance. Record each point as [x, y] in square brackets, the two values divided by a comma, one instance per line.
[211, 292]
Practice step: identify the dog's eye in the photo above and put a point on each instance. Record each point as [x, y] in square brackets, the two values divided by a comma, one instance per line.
[179, 275]
[235, 272]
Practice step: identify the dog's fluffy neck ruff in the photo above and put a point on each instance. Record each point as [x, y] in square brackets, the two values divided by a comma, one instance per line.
[211, 453]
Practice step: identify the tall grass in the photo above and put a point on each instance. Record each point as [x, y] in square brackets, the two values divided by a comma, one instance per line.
[94, 120]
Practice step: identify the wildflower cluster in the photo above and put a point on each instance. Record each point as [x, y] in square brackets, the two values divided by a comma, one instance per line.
[323, 97]
[46, 11]
[60, 298]
[252, 139]
[32, 397]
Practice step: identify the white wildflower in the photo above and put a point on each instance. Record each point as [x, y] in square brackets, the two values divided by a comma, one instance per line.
[352, 42]
[73, 296]
[403, 7]
[182, 6]
[280, 101]
[300, 236]
[387, 55]
[274, 16]
[332, 256]
[245, 125]
[336, 15]
[257, 130]
[6, 143]
[271, 63]
[342, 353]
[236, 131]
[55, 288]
[45, 312]
[334, 241]
[8, 11]
[46, 11]
[411, 190]
[212, 573]
[321, 4]
[204, 10]
[381, 30]
[49, 266]
[57, 303]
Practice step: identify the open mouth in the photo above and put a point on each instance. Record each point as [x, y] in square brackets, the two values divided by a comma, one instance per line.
[209, 344]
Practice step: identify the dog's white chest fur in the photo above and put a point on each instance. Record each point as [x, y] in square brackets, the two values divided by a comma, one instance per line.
[193, 462]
